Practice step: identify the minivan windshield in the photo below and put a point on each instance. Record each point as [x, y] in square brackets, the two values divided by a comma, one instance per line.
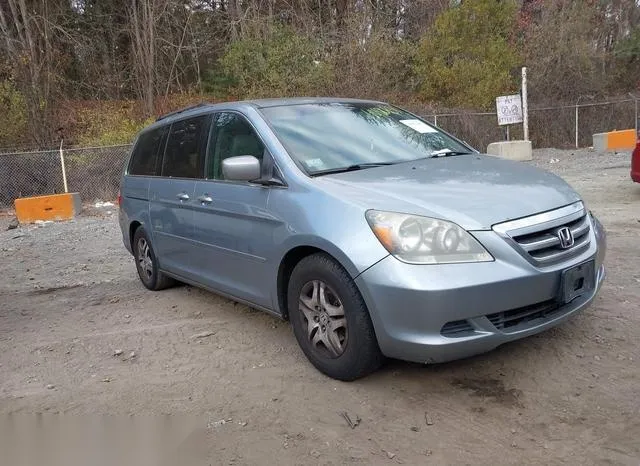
[334, 137]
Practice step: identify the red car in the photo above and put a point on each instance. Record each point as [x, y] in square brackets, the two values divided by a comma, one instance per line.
[635, 161]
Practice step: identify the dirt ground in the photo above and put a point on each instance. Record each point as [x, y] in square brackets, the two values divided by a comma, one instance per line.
[70, 298]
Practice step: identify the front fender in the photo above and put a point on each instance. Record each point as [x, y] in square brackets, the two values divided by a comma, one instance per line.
[313, 218]
[353, 265]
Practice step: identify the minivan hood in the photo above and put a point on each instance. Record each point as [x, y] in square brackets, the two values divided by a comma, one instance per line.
[474, 191]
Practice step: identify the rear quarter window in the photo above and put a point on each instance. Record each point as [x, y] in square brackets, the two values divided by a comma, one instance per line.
[147, 154]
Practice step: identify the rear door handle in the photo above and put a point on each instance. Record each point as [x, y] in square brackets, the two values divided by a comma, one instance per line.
[205, 199]
[183, 197]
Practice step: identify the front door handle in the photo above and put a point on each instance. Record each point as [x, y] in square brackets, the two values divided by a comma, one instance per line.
[183, 197]
[205, 199]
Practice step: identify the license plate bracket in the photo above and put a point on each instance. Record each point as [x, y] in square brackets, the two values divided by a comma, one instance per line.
[577, 281]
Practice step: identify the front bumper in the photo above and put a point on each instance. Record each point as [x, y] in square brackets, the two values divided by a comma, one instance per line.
[410, 304]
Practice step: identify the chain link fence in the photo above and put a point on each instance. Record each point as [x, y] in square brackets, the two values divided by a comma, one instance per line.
[94, 172]
[562, 127]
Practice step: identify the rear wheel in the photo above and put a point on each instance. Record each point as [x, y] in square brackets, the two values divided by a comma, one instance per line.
[330, 319]
[147, 263]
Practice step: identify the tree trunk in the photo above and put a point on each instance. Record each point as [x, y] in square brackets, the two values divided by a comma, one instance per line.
[142, 29]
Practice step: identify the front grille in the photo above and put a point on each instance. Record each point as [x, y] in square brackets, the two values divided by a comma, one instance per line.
[457, 329]
[544, 246]
[538, 238]
[507, 319]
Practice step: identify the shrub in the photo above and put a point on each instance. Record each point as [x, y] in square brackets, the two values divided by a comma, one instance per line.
[468, 57]
[284, 63]
[14, 122]
[382, 67]
[108, 127]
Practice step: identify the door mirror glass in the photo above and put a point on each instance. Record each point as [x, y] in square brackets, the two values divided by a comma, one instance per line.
[241, 168]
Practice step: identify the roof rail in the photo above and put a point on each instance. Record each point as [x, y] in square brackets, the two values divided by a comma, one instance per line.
[175, 112]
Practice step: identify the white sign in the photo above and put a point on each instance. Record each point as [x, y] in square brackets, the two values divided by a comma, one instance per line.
[419, 126]
[509, 108]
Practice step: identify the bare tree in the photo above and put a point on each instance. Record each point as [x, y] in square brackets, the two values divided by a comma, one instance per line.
[143, 17]
[89, 53]
[28, 35]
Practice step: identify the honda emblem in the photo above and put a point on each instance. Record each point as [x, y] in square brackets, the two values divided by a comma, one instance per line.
[566, 237]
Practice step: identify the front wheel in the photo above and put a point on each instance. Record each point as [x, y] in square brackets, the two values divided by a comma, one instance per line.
[330, 319]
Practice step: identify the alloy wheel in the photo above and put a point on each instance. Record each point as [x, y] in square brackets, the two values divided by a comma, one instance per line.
[144, 258]
[323, 313]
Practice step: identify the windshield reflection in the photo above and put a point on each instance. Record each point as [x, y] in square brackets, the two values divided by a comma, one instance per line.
[329, 136]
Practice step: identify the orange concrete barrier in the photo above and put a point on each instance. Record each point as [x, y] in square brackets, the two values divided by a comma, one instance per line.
[51, 207]
[625, 139]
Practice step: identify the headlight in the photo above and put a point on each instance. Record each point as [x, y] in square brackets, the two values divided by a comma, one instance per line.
[424, 240]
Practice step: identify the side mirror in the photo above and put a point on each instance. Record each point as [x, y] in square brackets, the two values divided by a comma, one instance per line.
[241, 168]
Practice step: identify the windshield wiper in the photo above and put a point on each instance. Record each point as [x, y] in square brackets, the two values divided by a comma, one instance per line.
[446, 153]
[351, 168]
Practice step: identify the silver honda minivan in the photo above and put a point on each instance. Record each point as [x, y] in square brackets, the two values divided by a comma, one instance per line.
[374, 232]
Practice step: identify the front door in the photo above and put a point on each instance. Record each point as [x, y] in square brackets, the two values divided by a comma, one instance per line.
[232, 225]
[172, 195]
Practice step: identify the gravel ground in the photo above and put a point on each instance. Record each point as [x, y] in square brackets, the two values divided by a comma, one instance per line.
[79, 334]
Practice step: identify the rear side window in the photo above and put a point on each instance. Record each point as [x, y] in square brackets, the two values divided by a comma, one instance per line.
[145, 160]
[185, 152]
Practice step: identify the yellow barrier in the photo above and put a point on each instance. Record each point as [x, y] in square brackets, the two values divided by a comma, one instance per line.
[51, 207]
[625, 139]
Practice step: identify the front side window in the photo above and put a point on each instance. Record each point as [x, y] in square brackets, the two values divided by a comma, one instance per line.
[145, 160]
[185, 152]
[330, 137]
[232, 136]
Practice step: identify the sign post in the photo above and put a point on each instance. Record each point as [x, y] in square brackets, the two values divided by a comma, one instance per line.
[525, 105]
[509, 109]
[514, 109]
[64, 170]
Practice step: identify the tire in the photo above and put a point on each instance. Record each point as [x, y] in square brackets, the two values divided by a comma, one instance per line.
[149, 274]
[342, 346]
